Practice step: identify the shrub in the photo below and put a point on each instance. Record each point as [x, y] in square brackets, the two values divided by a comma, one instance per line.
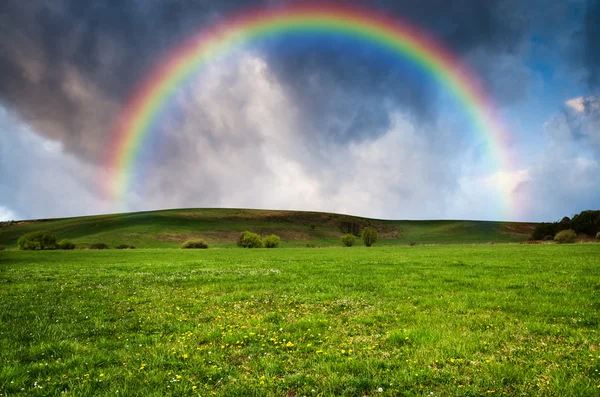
[98, 246]
[598, 236]
[194, 244]
[544, 229]
[66, 245]
[124, 246]
[271, 241]
[250, 240]
[348, 240]
[566, 237]
[40, 240]
[369, 236]
[548, 238]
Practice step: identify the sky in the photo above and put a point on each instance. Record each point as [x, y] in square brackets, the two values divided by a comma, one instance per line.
[305, 122]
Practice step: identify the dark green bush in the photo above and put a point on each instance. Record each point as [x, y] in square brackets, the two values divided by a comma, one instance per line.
[271, 241]
[40, 240]
[544, 229]
[66, 245]
[195, 244]
[125, 246]
[548, 238]
[348, 240]
[369, 236]
[98, 246]
[566, 237]
[250, 240]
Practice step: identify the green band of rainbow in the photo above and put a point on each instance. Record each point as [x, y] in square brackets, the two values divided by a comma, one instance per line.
[158, 88]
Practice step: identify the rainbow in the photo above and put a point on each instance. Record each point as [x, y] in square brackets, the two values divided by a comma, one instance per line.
[157, 89]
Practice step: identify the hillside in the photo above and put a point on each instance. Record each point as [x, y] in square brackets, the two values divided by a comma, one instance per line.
[221, 227]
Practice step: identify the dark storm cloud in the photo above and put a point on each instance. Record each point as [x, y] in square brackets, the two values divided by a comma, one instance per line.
[592, 43]
[66, 67]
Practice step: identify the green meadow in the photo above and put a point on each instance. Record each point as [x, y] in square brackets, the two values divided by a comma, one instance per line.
[445, 320]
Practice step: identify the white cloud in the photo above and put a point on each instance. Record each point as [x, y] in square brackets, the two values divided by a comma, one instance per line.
[564, 179]
[39, 180]
[241, 143]
[576, 104]
[7, 215]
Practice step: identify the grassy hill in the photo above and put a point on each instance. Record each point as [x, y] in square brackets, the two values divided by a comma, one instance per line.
[221, 227]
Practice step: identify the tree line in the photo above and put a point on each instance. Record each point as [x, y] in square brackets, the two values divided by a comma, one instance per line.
[586, 223]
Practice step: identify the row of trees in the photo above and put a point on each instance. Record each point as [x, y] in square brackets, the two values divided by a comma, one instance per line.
[368, 236]
[585, 223]
[252, 240]
[43, 240]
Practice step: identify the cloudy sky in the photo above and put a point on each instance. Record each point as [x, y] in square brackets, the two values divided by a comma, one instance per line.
[304, 122]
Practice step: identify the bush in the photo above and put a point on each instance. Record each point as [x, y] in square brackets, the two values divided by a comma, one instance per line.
[98, 246]
[66, 245]
[194, 244]
[544, 229]
[566, 237]
[40, 240]
[369, 236]
[548, 238]
[598, 236]
[125, 246]
[348, 240]
[250, 240]
[271, 241]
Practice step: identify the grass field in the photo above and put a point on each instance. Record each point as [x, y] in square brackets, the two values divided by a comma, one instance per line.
[221, 228]
[423, 321]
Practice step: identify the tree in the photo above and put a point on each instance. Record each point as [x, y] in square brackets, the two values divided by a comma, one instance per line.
[369, 236]
[40, 240]
[566, 237]
[587, 222]
[348, 240]
[564, 224]
[249, 240]
[271, 241]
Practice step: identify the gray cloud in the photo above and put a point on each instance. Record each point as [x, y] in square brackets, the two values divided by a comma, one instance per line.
[67, 67]
[591, 42]
[284, 126]
[39, 180]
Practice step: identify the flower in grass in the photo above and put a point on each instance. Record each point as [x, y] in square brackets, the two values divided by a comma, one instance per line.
[194, 387]
[380, 390]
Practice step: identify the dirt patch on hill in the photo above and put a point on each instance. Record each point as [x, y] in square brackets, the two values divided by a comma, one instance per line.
[517, 229]
[318, 220]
